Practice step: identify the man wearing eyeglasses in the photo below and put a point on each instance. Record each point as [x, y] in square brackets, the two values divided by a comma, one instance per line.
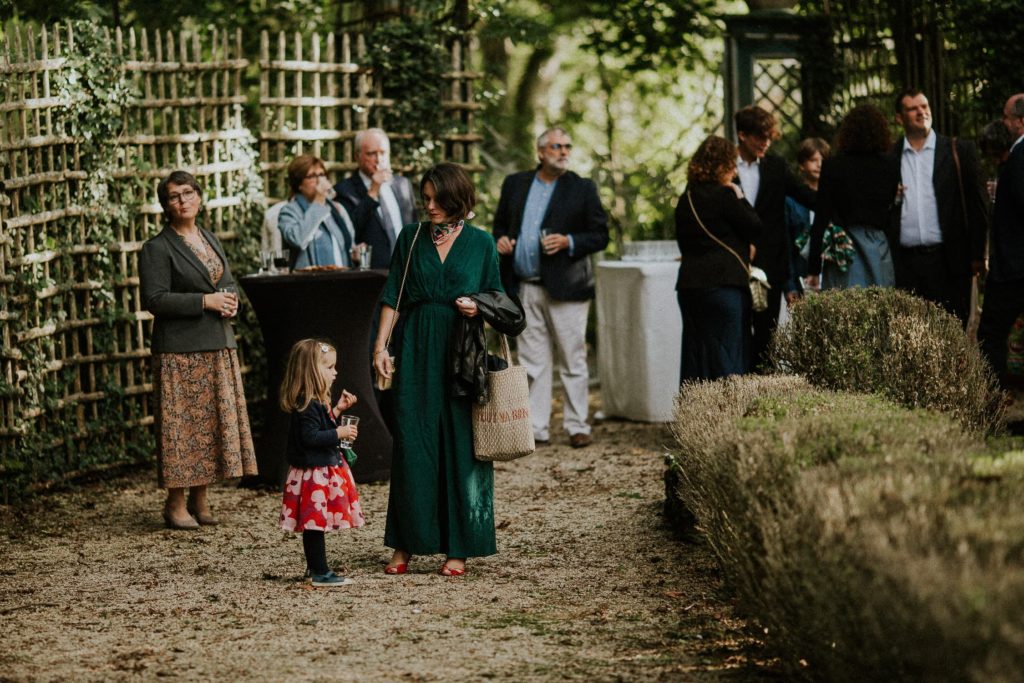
[548, 223]
[379, 201]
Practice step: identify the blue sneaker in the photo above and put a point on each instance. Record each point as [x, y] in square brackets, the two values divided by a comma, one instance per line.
[331, 580]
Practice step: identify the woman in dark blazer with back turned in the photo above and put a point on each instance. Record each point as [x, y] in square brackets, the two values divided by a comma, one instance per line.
[712, 288]
[857, 192]
[202, 429]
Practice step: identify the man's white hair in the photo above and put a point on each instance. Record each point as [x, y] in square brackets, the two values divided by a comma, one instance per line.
[542, 141]
[361, 136]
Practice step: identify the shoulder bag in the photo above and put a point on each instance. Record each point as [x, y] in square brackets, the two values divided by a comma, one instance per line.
[501, 427]
[756, 278]
[384, 383]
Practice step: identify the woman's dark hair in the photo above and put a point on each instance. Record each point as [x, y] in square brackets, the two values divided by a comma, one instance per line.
[995, 139]
[178, 177]
[809, 147]
[453, 190]
[715, 157]
[299, 167]
[864, 130]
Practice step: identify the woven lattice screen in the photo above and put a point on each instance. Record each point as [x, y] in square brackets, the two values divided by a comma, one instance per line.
[74, 376]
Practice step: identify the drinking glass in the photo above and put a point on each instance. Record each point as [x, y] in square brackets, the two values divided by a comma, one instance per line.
[365, 253]
[281, 261]
[266, 262]
[344, 422]
[231, 289]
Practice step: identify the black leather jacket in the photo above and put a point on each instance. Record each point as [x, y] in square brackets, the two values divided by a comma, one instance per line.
[468, 360]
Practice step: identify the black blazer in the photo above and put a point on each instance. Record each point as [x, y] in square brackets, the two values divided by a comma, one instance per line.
[312, 438]
[777, 183]
[962, 242]
[172, 283]
[575, 209]
[1006, 259]
[354, 196]
[704, 263]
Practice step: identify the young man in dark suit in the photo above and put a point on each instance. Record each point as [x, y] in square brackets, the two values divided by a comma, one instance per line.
[1004, 287]
[378, 201]
[766, 181]
[548, 223]
[943, 216]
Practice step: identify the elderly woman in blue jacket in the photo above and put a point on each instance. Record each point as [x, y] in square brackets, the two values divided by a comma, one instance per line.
[317, 229]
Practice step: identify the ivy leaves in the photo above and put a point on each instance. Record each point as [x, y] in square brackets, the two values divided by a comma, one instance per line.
[410, 57]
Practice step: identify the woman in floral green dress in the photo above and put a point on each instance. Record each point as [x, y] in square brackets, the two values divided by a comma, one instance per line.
[441, 498]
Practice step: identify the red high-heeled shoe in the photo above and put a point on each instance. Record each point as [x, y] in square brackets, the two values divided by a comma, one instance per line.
[445, 570]
[397, 569]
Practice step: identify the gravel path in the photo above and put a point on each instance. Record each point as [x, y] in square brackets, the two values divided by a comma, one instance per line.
[589, 585]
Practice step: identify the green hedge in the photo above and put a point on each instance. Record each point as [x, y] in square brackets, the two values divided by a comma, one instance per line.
[888, 342]
[872, 542]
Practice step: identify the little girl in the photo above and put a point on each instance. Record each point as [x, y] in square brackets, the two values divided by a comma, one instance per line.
[319, 493]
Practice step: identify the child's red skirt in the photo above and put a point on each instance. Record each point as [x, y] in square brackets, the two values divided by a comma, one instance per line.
[320, 499]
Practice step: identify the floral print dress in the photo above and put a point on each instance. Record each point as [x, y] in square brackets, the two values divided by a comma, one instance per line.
[203, 431]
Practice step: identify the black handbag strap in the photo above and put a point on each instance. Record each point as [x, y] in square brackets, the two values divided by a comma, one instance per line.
[746, 268]
[401, 287]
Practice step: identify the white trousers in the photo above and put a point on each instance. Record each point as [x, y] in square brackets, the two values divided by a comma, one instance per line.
[555, 327]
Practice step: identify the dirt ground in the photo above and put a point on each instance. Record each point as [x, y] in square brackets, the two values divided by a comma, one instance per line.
[588, 585]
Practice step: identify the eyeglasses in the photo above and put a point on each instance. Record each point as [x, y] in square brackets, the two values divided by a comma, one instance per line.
[560, 145]
[181, 197]
[317, 175]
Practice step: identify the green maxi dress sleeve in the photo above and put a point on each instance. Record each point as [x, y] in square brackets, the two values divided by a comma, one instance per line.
[441, 498]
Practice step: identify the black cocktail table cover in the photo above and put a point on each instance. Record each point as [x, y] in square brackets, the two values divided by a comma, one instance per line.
[337, 306]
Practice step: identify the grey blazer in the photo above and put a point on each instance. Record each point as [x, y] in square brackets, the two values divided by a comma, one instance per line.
[172, 282]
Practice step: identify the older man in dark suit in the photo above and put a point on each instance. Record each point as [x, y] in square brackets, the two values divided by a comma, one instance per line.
[379, 201]
[767, 181]
[1004, 287]
[548, 223]
[943, 216]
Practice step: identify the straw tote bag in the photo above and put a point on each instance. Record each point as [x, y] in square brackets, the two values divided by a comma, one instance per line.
[502, 428]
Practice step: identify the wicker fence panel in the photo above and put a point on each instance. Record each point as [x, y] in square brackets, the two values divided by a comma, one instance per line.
[58, 322]
[47, 310]
[313, 99]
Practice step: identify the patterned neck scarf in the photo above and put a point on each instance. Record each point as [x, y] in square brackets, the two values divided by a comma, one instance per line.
[442, 232]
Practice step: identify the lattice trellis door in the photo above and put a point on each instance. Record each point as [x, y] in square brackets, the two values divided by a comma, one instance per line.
[763, 67]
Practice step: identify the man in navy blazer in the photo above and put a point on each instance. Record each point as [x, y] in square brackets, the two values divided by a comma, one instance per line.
[548, 223]
[1004, 287]
[943, 214]
[379, 201]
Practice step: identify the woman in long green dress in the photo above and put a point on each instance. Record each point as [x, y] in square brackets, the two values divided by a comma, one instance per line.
[442, 498]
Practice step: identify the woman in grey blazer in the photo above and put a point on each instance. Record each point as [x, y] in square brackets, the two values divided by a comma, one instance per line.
[202, 429]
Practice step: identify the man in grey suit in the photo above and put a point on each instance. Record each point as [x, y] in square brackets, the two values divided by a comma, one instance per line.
[379, 201]
[943, 216]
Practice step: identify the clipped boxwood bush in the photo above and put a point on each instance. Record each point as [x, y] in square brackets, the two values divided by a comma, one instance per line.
[871, 541]
[889, 342]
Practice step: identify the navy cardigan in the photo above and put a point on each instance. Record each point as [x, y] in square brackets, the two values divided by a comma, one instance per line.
[313, 438]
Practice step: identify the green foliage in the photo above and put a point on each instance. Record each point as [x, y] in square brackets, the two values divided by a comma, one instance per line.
[411, 58]
[892, 343]
[649, 34]
[866, 538]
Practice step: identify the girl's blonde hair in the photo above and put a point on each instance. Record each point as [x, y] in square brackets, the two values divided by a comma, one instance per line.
[302, 381]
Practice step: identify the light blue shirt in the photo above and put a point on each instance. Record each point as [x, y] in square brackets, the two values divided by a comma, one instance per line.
[527, 253]
[919, 219]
